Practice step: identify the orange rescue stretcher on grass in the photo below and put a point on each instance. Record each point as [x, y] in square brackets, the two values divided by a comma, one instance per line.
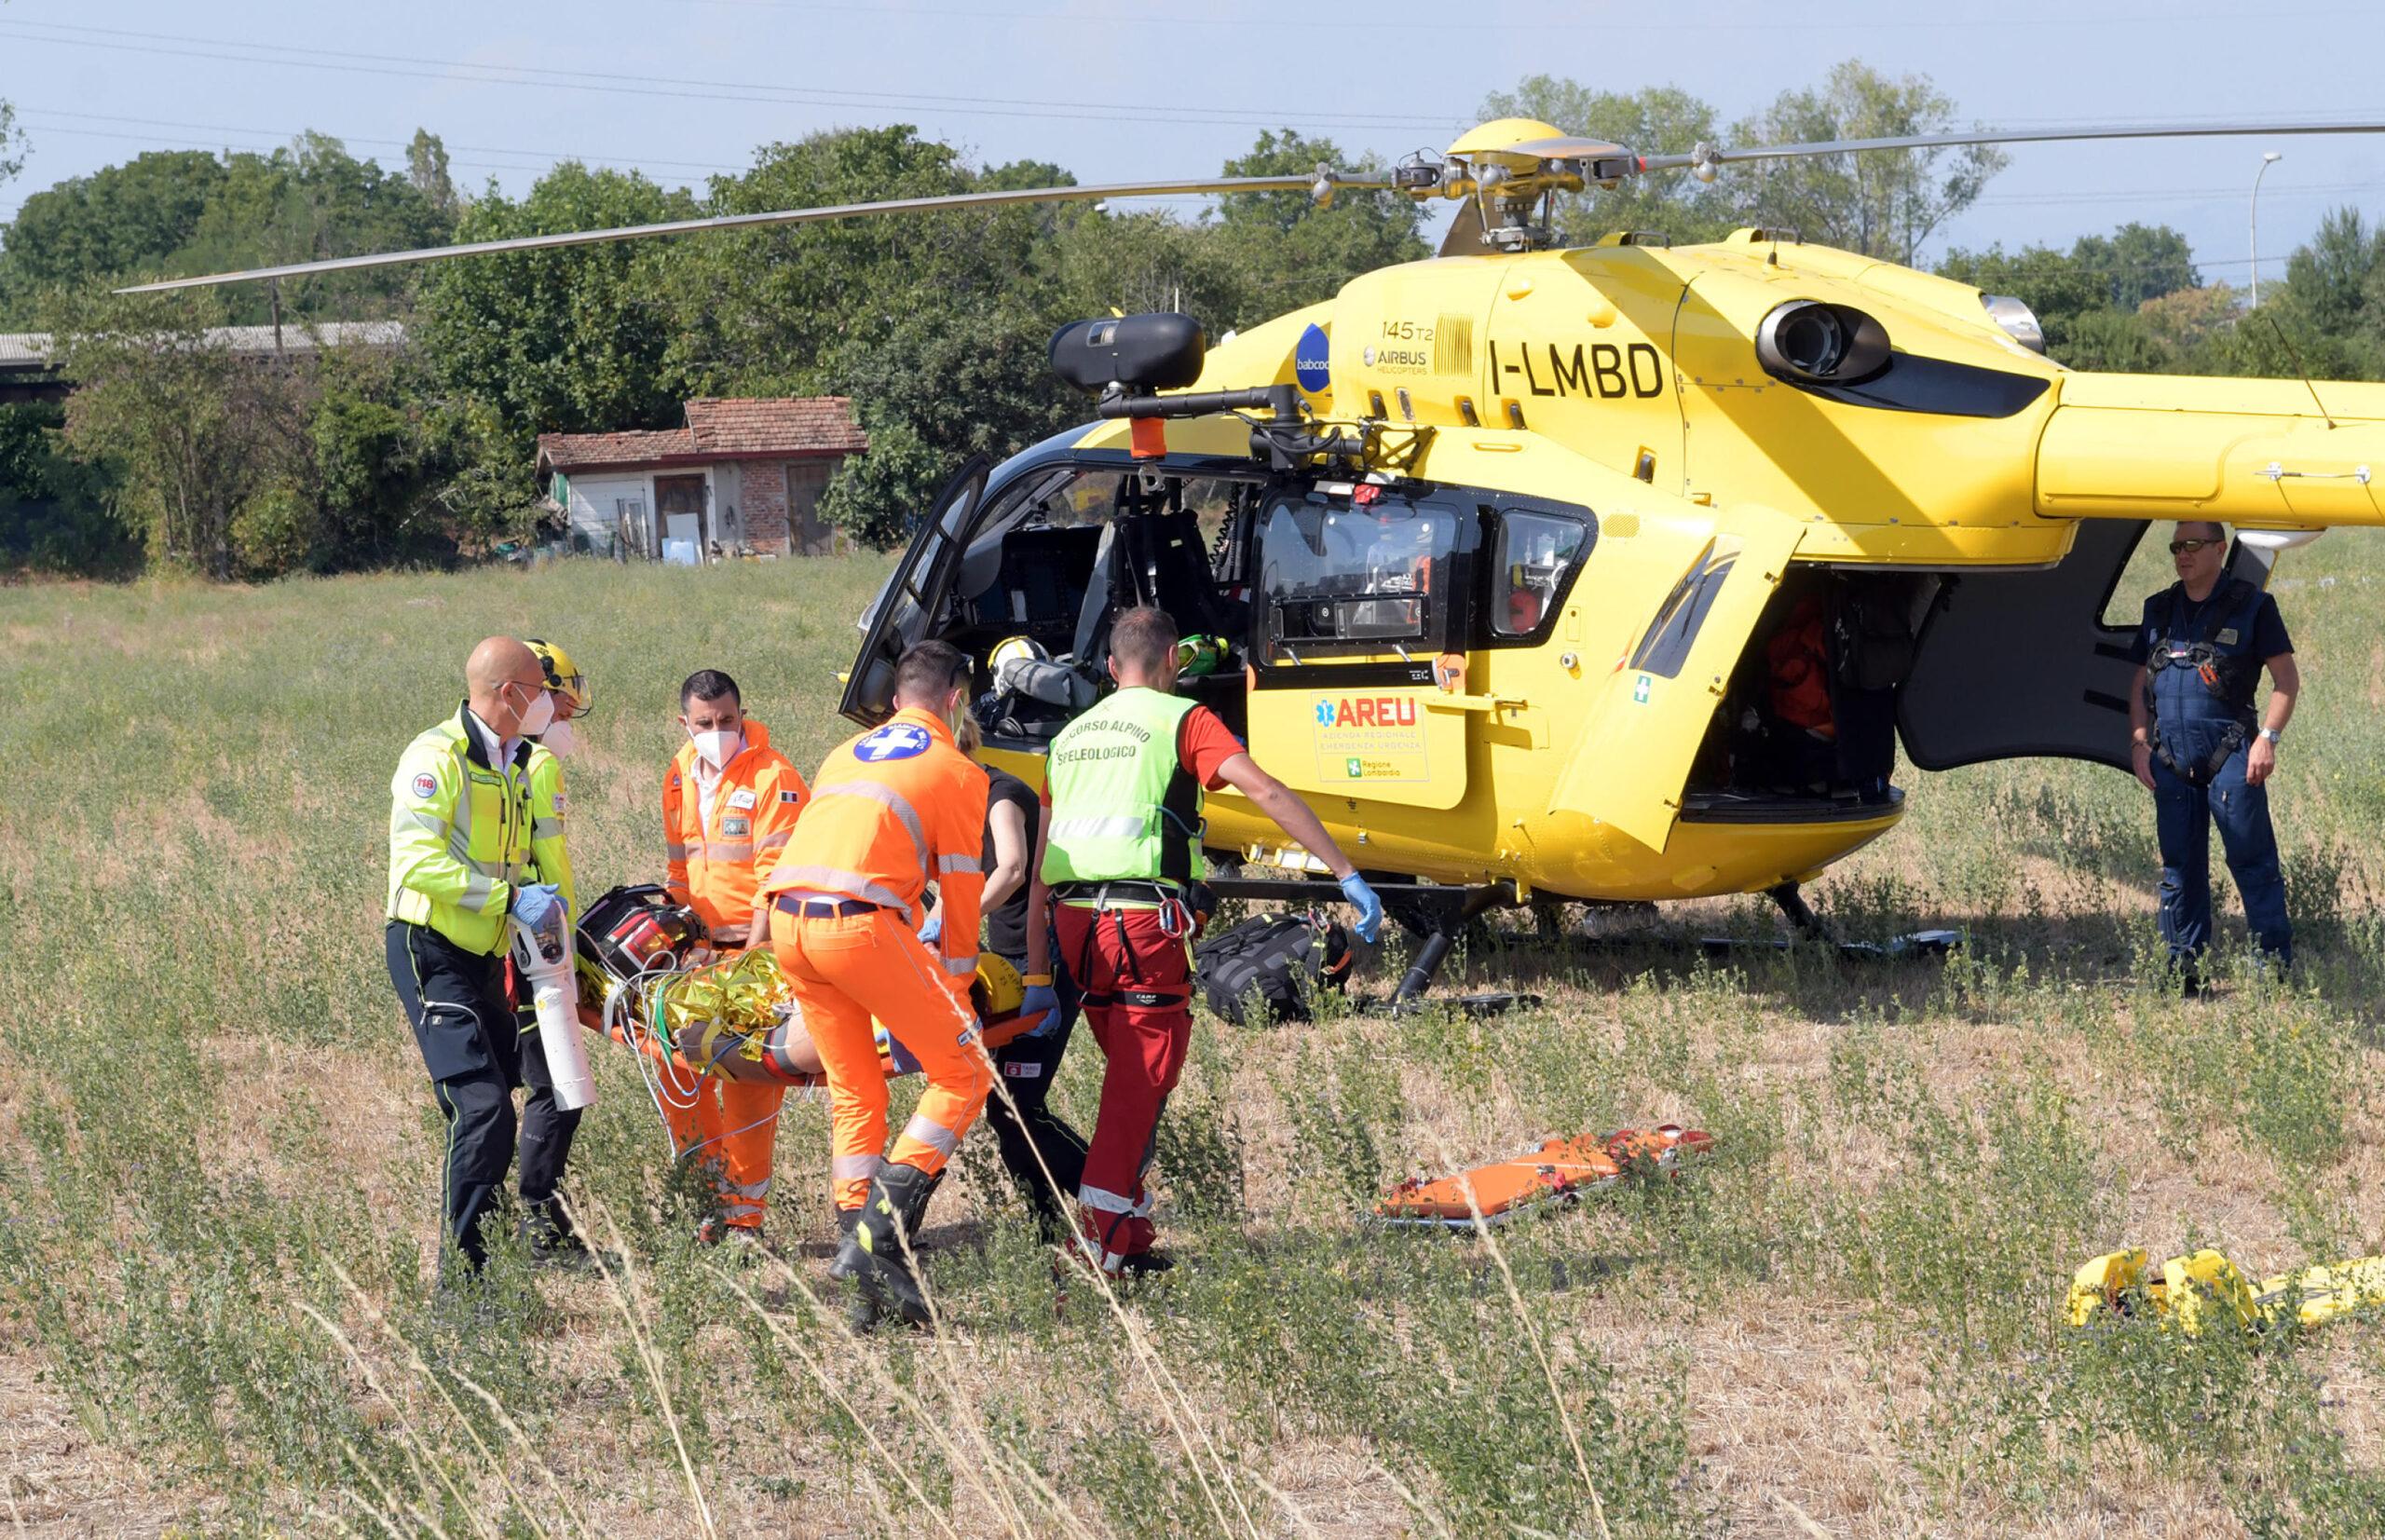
[1558, 1172]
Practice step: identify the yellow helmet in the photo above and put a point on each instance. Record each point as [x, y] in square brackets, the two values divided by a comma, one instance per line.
[564, 676]
[999, 991]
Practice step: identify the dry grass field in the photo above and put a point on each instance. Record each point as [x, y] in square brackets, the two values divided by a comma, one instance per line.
[217, 1154]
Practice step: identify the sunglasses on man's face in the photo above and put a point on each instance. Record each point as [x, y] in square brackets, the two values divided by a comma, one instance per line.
[2182, 548]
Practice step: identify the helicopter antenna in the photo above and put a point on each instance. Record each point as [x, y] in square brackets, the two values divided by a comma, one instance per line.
[2295, 354]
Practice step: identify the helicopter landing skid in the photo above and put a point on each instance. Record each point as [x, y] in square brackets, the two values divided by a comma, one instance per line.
[1439, 911]
[1799, 913]
[1897, 948]
[1811, 927]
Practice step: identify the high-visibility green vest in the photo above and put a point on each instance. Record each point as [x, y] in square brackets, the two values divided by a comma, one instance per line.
[1123, 806]
[459, 836]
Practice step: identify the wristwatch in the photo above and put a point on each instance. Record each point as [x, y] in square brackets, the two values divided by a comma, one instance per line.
[2274, 736]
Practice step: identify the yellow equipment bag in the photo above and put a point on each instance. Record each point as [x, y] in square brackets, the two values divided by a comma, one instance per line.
[2193, 1290]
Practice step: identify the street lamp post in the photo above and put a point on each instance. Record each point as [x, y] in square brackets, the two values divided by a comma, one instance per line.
[2268, 158]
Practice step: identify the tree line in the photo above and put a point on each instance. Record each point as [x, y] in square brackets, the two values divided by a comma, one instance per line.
[173, 450]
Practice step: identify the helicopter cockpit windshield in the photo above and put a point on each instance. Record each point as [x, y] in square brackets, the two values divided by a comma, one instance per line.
[1048, 556]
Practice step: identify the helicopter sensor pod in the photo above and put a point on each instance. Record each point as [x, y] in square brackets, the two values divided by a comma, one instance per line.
[1806, 341]
[1151, 352]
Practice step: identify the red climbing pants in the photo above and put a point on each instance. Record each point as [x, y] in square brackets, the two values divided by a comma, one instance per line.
[1137, 1001]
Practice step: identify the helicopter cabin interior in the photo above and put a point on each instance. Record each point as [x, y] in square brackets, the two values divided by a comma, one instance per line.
[1807, 722]
[1297, 583]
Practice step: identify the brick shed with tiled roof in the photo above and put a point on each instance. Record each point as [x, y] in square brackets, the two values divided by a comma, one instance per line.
[744, 474]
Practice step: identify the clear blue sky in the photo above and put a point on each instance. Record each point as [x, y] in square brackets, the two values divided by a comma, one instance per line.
[1143, 87]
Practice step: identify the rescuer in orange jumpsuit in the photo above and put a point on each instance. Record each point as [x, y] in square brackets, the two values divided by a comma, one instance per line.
[729, 803]
[893, 809]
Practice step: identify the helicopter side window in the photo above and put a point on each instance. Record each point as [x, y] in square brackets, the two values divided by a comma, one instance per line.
[1536, 555]
[1665, 647]
[1355, 578]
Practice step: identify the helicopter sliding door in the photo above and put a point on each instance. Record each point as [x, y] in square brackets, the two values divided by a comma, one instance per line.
[1631, 765]
[2022, 664]
[1355, 604]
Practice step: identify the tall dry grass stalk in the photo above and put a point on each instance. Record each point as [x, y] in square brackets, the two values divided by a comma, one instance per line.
[623, 1291]
[1182, 1421]
[1530, 1331]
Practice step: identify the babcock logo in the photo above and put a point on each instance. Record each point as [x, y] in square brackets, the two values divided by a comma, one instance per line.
[1310, 360]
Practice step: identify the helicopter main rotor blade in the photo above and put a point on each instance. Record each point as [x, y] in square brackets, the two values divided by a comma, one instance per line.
[2003, 136]
[1311, 184]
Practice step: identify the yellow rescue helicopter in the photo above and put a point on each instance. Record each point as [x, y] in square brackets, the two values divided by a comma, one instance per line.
[1496, 550]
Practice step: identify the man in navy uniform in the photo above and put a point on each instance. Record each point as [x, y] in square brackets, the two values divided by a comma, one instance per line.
[2200, 749]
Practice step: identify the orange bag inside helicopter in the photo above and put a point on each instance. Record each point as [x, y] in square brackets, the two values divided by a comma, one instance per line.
[1810, 711]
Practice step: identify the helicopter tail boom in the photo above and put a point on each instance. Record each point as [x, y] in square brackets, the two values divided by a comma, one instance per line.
[2268, 453]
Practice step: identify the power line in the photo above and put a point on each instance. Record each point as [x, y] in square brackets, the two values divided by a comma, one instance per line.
[155, 142]
[465, 72]
[286, 136]
[1557, 22]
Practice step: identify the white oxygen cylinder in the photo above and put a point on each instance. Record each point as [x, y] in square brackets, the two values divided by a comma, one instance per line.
[545, 967]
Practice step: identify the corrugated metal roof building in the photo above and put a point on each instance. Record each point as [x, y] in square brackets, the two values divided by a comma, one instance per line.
[26, 373]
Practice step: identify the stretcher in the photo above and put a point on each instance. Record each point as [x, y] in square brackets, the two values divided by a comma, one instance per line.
[732, 1018]
[652, 979]
[1559, 1172]
[2193, 1291]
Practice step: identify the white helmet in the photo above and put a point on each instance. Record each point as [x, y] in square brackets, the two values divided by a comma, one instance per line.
[1018, 650]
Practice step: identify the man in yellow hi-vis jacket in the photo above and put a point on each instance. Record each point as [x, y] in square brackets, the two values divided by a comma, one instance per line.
[460, 830]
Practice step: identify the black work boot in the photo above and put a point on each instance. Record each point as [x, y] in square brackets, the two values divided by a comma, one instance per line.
[888, 1227]
[548, 1235]
[1143, 1264]
[847, 1262]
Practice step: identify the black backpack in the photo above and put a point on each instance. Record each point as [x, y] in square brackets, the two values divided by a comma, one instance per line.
[1872, 643]
[1286, 958]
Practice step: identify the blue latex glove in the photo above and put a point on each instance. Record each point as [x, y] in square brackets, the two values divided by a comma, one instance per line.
[932, 932]
[541, 906]
[1362, 898]
[1044, 1000]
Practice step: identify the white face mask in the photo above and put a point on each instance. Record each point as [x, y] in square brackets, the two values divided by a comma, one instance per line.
[540, 716]
[559, 739]
[718, 749]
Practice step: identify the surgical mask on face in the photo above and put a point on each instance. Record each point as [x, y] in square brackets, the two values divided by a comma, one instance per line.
[540, 715]
[718, 749]
[559, 739]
